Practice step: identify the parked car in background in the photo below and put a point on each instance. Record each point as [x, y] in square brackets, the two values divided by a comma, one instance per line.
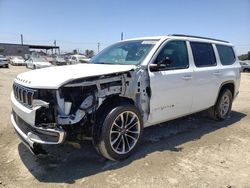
[58, 60]
[4, 61]
[8, 59]
[245, 66]
[17, 60]
[74, 59]
[48, 58]
[37, 63]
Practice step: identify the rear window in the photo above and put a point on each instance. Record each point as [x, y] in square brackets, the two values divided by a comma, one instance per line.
[203, 54]
[226, 54]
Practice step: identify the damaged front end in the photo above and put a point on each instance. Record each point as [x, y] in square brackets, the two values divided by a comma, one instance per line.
[34, 117]
[51, 116]
[78, 101]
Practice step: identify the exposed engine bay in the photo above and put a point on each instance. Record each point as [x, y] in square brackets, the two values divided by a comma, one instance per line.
[74, 106]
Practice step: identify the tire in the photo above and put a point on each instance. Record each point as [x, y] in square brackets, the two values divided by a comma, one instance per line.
[222, 107]
[34, 67]
[246, 70]
[113, 139]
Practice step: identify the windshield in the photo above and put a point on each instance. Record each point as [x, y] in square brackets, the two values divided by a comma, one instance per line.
[40, 59]
[127, 53]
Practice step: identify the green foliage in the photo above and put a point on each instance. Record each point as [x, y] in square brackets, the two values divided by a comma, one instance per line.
[89, 53]
[74, 51]
[245, 56]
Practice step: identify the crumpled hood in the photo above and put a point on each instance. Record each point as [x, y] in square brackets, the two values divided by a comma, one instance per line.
[54, 77]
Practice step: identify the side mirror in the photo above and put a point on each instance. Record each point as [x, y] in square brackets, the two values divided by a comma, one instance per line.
[165, 62]
[160, 65]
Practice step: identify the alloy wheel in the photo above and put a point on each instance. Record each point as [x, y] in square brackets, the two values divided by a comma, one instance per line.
[124, 132]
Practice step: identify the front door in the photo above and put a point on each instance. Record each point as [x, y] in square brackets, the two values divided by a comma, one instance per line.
[171, 87]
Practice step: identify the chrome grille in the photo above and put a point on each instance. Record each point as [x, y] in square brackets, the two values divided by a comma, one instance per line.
[24, 95]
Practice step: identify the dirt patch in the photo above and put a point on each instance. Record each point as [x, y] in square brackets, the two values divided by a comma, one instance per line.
[193, 151]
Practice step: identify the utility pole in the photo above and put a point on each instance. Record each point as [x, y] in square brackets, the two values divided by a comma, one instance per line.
[98, 47]
[55, 45]
[121, 35]
[22, 39]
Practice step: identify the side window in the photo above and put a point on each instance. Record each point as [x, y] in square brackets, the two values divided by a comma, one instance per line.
[176, 53]
[203, 54]
[226, 54]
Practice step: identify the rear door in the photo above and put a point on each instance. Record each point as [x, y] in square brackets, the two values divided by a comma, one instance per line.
[207, 75]
[171, 88]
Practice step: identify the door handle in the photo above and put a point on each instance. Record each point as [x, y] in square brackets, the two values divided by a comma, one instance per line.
[187, 77]
[217, 73]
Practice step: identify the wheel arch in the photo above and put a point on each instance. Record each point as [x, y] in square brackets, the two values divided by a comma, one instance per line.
[226, 85]
[113, 101]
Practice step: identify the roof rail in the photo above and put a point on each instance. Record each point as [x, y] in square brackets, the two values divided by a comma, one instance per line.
[193, 36]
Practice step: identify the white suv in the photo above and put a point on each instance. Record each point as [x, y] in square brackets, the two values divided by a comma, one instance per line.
[128, 86]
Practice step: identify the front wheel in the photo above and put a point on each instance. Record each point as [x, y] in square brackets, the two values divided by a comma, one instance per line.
[223, 106]
[120, 132]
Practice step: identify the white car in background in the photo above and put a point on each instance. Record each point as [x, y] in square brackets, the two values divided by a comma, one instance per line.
[245, 66]
[17, 60]
[58, 61]
[37, 63]
[74, 59]
[3, 62]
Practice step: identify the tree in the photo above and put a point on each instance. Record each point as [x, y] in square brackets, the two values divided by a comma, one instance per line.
[74, 51]
[89, 53]
[245, 56]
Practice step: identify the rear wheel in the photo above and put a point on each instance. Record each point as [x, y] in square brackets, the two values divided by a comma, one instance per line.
[120, 130]
[34, 67]
[223, 106]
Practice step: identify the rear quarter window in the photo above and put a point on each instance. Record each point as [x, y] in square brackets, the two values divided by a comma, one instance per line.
[203, 54]
[226, 53]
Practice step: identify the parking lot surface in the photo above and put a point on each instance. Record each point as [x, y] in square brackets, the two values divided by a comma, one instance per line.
[193, 151]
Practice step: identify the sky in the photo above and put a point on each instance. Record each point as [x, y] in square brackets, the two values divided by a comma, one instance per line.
[81, 24]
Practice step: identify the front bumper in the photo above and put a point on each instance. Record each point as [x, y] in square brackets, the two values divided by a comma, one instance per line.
[23, 118]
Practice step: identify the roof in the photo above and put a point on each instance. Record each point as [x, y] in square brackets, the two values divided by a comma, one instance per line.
[184, 37]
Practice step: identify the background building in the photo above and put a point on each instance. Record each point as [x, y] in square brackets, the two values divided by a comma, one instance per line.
[22, 49]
